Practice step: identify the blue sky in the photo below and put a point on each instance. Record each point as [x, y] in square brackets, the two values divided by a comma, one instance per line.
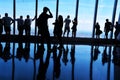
[66, 7]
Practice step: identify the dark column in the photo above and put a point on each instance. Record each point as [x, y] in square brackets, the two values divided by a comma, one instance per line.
[113, 17]
[119, 18]
[36, 10]
[57, 6]
[95, 17]
[77, 6]
[14, 15]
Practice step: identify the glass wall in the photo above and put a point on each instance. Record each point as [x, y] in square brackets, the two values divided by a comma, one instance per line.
[6, 6]
[105, 11]
[85, 13]
[24, 8]
[66, 8]
[86, 16]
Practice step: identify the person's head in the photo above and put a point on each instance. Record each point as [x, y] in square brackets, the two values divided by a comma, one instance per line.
[68, 16]
[97, 23]
[6, 14]
[45, 9]
[28, 16]
[60, 17]
[107, 20]
[21, 17]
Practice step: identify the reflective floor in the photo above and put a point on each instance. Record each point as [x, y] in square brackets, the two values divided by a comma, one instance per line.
[29, 61]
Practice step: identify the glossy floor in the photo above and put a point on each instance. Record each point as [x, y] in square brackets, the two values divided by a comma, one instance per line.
[28, 61]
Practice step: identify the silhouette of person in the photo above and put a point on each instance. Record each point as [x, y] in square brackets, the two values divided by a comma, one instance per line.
[40, 51]
[20, 51]
[105, 56]
[57, 64]
[72, 55]
[116, 55]
[107, 28]
[7, 21]
[43, 66]
[67, 26]
[96, 53]
[58, 29]
[27, 24]
[6, 52]
[42, 23]
[1, 25]
[74, 27]
[65, 55]
[26, 54]
[20, 25]
[97, 30]
[117, 30]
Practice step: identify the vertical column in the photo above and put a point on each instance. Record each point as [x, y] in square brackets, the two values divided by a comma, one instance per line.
[14, 15]
[113, 17]
[77, 6]
[57, 6]
[119, 18]
[95, 17]
[36, 11]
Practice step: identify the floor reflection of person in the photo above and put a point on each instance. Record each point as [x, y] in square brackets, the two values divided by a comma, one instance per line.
[65, 55]
[26, 54]
[96, 53]
[116, 55]
[20, 51]
[43, 66]
[72, 54]
[57, 64]
[6, 52]
[105, 56]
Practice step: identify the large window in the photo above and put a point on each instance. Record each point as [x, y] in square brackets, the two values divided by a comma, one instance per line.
[6, 6]
[105, 11]
[86, 16]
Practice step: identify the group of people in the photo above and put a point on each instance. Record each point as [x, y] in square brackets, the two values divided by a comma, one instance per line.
[5, 23]
[43, 30]
[42, 25]
[108, 27]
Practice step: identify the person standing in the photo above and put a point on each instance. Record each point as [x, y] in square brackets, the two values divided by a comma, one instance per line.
[42, 23]
[117, 30]
[1, 25]
[97, 30]
[7, 21]
[74, 27]
[20, 25]
[27, 24]
[67, 26]
[107, 28]
[58, 29]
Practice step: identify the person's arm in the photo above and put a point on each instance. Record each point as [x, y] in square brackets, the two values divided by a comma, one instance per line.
[34, 18]
[51, 16]
[12, 21]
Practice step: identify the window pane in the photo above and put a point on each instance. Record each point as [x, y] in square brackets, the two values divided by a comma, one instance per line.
[6, 6]
[86, 16]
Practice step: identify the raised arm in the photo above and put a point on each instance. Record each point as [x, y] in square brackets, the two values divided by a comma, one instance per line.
[51, 16]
